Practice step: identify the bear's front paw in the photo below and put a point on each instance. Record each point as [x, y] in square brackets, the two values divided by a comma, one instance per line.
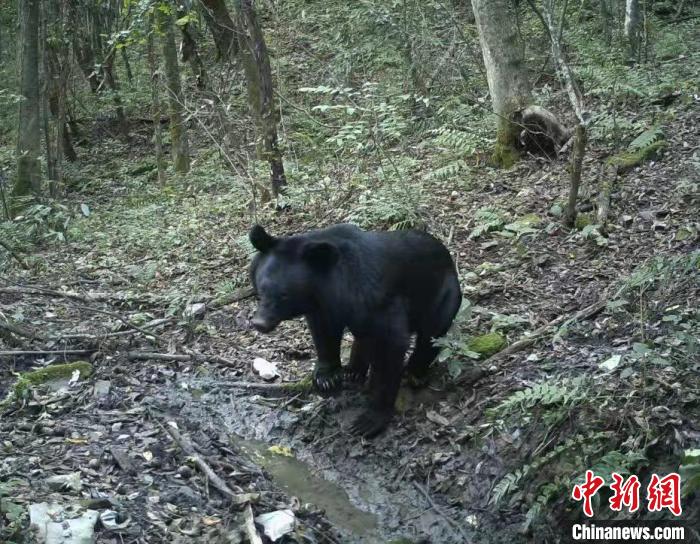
[328, 381]
[370, 423]
[354, 375]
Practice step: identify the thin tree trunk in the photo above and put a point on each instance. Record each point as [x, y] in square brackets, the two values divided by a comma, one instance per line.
[606, 18]
[505, 71]
[256, 62]
[222, 28]
[111, 82]
[178, 131]
[127, 65]
[155, 99]
[28, 134]
[577, 153]
[190, 54]
[632, 30]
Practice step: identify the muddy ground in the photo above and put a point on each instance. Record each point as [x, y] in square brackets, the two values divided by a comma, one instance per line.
[429, 478]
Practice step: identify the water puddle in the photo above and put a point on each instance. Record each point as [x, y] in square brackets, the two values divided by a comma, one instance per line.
[296, 478]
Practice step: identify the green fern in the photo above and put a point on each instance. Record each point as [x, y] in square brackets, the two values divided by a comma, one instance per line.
[448, 171]
[508, 484]
[487, 220]
[646, 138]
[544, 495]
[456, 140]
[566, 392]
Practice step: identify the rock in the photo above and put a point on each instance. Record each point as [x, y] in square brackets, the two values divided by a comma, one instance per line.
[195, 311]
[62, 482]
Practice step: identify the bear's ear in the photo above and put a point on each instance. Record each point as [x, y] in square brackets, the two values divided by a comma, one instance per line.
[320, 254]
[261, 240]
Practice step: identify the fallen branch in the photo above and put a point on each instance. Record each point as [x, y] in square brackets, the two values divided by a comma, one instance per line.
[20, 331]
[289, 387]
[47, 352]
[189, 357]
[97, 336]
[456, 526]
[238, 497]
[542, 331]
[122, 319]
[250, 529]
[87, 298]
[14, 255]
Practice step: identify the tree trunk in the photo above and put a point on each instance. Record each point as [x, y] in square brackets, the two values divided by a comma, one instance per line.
[178, 131]
[606, 18]
[127, 65]
[49, 94]
[632, 30]
[505, 71]
[222, 28]
[577, 154]
[155, 99]
[108, 78]
[190, 54]
[256, 63]
[28, 134]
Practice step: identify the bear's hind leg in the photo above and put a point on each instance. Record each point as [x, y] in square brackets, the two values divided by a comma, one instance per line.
[360, 358]
[419, 362]
[389, 349]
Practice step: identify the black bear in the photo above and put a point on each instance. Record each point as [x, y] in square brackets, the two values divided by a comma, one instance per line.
[382, 286]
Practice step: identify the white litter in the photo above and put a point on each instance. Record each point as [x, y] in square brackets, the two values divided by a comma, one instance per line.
[266, 369]
[277, 524]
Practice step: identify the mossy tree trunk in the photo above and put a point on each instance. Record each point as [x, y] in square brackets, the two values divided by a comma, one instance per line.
[178, 130]
[577, 153]
[256, 63]
[505, 71]
[155, 100]
[28, 179]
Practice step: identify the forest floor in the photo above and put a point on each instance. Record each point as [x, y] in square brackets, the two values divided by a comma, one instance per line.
[140, 257]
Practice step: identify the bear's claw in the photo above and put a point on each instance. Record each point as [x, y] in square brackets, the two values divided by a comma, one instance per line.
[326, 382]
[352, 375]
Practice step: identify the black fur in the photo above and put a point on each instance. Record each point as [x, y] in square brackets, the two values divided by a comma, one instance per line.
[382, 286]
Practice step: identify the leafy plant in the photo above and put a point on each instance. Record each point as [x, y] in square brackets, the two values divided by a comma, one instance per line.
[487, 220]
[646, 138]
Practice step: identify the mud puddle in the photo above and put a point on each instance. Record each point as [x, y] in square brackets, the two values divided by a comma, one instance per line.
[298, 480]
[360, 485]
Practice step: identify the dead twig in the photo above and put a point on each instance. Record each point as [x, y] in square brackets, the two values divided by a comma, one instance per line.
[439, 510]
[14, 255]
[87, 298]
[193, 357]
[238, 497]
[20, 331]
[250, 529]
[122, 319]
[542, 331]
[97, 336]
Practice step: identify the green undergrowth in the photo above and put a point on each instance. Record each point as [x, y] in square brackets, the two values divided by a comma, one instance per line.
[563, 425]
[27, 380]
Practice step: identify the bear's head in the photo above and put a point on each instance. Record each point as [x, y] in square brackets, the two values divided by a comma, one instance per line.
[286, 273]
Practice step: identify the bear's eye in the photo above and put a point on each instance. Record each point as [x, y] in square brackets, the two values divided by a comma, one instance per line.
[283, 296]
